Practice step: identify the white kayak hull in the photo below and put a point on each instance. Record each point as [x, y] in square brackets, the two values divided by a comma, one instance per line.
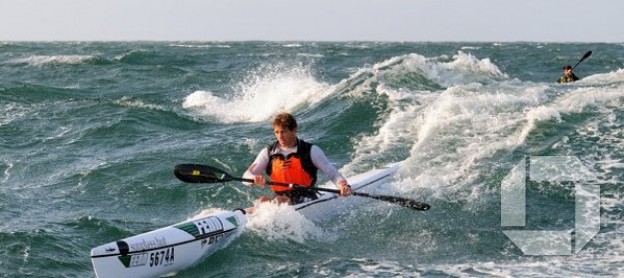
[169, 249]
[179, 246]
[328, 203]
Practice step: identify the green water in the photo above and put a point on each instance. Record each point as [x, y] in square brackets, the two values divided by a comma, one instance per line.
[90, 132]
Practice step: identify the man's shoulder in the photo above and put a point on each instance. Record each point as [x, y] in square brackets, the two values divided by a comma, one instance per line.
[304, 141]
[305, 146]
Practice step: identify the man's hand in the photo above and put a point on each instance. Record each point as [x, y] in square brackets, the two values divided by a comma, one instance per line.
[259, 180]
[345, 189]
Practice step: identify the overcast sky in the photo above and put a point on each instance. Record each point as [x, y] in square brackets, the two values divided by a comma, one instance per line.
[313, 20]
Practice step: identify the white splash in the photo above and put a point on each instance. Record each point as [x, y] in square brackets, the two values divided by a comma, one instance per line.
[449, 132]
[277, 222]
[260, 96]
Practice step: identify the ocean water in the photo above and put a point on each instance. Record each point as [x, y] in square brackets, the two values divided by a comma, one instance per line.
[90, 132]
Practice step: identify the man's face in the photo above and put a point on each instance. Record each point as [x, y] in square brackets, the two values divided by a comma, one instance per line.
[284, 136]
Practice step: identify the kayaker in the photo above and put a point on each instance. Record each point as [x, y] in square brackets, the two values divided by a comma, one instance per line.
[568, 75]
[292, 160]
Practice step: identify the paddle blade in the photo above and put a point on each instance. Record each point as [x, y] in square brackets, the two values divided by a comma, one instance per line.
[197, 173]
[404, 202]
[411, 204]
[414, 205]
[587, 54]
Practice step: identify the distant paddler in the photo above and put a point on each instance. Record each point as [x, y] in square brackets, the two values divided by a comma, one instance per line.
[568, 74]
[291, 160]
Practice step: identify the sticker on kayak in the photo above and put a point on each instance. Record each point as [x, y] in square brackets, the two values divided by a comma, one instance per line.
[162, 257]
[203, 227]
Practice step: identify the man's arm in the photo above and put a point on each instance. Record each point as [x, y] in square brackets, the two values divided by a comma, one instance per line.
[322, 163]
[256, 170]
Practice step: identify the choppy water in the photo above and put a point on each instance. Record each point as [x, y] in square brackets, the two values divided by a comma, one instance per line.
[90, 132]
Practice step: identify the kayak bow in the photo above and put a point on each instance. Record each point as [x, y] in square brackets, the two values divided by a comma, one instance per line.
[169, 249]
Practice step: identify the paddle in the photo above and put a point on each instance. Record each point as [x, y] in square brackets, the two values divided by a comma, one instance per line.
[197, 173]
[587, 54]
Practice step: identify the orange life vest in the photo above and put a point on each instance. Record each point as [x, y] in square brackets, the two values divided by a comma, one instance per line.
[296, 168]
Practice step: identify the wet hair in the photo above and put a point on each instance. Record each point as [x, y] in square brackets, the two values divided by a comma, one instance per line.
[567, 67]
[285, 120]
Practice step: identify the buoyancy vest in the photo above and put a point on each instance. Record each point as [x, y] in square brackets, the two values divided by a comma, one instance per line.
[567, 78]
[296, 168]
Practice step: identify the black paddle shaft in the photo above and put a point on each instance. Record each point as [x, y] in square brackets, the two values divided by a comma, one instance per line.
[198, 173]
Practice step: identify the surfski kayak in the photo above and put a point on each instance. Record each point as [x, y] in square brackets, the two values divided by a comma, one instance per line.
[173, 248]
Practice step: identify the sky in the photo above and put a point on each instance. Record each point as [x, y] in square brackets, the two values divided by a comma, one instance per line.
[313, 20]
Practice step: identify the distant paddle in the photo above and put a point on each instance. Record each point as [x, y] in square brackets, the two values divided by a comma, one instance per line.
[587, 54]
[197, 173]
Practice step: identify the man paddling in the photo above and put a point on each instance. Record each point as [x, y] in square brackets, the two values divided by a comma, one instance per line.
[568, 75]
[292, 160]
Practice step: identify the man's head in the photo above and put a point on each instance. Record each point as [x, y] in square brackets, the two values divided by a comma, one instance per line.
[285, 129]
[285, 120]
[567, 70]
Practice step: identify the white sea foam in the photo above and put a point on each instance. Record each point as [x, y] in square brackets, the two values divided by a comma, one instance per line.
[278, 222]
[417, 116]
[60, 133]
[40, 60]
[8, 165]
[600, 98]
[605, 79]
[12, 111]
[453, 130]
[130, 102]
[202, 45]
[582, 265]
[311, 55]
[260, 96]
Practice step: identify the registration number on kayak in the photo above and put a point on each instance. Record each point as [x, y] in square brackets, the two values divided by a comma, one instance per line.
[162, 257]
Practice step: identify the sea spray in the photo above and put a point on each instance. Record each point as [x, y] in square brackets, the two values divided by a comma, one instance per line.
[276, 222]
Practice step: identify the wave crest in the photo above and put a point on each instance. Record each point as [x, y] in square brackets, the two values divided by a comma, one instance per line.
[262, 94]
[40, 60]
